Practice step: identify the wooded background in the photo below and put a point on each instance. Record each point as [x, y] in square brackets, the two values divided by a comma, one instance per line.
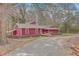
[61, 15]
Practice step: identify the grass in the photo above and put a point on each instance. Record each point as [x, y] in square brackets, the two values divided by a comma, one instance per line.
[67, 34]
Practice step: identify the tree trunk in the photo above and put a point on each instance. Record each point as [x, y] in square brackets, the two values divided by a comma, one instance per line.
[3, 17]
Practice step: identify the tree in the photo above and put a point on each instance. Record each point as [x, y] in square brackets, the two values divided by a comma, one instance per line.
[46, 14]
[4, 9]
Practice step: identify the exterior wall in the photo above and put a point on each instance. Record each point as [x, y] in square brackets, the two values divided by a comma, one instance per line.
[54, 31]
[44, 31]
[34, 31]
[20, 32]
[25, 32]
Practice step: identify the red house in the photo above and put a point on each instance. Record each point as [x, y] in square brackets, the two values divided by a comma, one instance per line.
[22, 30]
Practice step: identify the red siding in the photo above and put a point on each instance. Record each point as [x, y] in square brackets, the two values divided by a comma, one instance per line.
[14, 32]
[54, 31]
[23, 31]
[33, 31]
[44, 31]
[26, 31]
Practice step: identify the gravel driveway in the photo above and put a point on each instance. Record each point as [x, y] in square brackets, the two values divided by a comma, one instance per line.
[43, 46]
